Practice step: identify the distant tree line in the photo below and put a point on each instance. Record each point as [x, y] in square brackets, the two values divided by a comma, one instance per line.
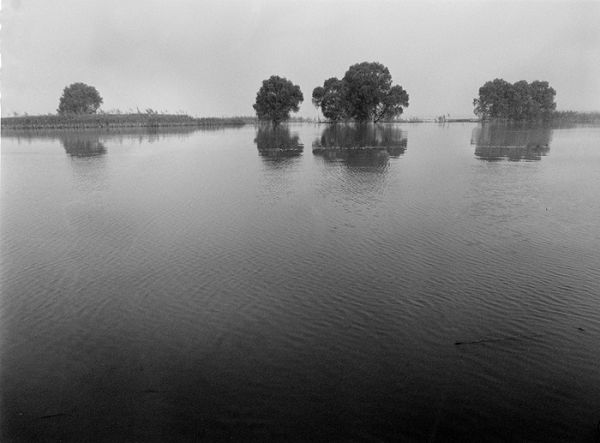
[575, 117]
[499, 99]
[365, 93]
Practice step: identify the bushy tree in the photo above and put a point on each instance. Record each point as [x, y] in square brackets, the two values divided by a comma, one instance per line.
[79, 98]
[498, 99]
[330, 99]
[276, 98]
[368, 92]
[519, 101]
[494, 97]
[392, 103]
[542, 99]
[365, 93]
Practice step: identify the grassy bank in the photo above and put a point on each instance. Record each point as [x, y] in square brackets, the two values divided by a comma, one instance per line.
[109, 121]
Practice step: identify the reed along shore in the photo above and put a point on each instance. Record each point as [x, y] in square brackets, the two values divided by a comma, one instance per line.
[108, 121]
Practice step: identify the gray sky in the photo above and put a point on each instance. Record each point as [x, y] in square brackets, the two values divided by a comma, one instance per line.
[208, 58]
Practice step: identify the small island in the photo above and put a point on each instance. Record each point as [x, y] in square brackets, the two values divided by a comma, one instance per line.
[79, 108]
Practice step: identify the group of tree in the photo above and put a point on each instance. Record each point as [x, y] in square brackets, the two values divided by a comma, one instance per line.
[365, 93]
[499, 99]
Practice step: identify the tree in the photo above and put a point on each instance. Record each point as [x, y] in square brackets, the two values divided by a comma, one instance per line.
[498, 99]
[364, 94]
[493, 99]
[391, 103]
[79, 98]
[276, 98]
[519, 103]
[330, 99]
[542, 96]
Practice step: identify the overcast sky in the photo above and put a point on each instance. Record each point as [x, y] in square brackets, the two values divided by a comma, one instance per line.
[208, 58]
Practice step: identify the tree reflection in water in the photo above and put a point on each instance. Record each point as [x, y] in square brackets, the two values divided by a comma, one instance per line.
[513, 142]
[278, 142]
[82, 145]
[361, 145]
[92, 143]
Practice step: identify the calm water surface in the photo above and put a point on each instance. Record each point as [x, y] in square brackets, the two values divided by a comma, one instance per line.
[212, 285]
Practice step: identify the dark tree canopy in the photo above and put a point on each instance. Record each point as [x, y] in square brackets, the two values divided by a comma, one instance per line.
[392, 103]
[364, 94]
[79, 98]
[276, 98]
[329, 98]
[498, 99]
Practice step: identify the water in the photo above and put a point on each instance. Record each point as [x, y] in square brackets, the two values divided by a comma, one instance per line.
[232, 284]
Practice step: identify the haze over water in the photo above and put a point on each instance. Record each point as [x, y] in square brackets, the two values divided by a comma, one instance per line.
[208, 284]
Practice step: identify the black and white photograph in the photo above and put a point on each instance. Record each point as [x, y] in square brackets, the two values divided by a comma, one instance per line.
[299, 221]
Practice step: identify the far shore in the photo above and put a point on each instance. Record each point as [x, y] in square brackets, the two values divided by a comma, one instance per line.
[115, 121]
[156, 120]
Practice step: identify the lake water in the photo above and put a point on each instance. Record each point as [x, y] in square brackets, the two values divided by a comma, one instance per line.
[403, 282]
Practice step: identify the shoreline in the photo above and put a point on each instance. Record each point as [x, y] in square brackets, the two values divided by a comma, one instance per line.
[116, 121]
[165, 121]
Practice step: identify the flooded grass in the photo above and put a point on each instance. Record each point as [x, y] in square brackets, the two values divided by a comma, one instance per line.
[576, 117]
[85, 121]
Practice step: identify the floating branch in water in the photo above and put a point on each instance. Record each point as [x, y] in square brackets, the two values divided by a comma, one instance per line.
[491, 340]
[60, 414]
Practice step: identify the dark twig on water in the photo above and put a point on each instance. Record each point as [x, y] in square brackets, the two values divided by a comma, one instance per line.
[491, 340]
[61, 414]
